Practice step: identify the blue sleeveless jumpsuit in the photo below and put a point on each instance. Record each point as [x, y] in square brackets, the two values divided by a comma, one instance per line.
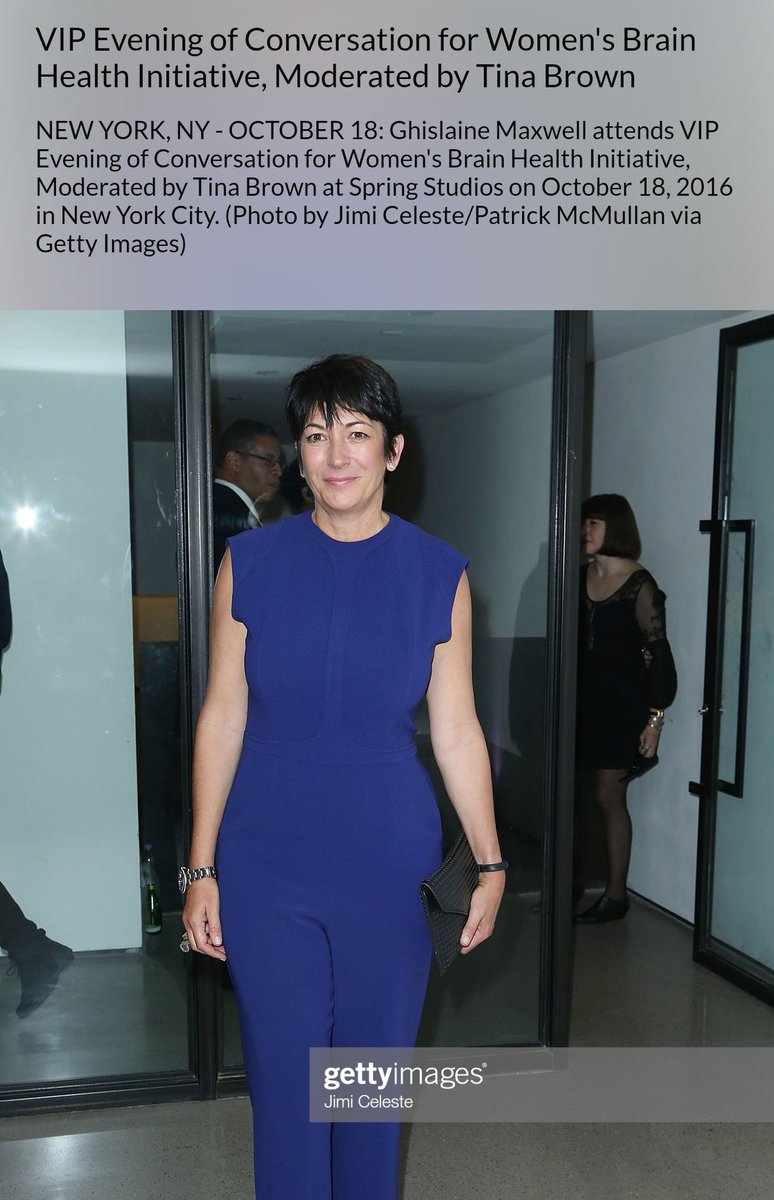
[330, 826]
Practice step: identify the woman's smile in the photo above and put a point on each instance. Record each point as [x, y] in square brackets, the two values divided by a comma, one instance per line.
[344, 464]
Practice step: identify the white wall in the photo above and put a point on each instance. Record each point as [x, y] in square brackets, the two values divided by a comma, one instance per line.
[69, 851]
[487, 471]
[653, 441]
[486, 467]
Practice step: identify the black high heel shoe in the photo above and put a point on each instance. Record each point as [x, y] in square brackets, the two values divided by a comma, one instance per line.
[602, 910]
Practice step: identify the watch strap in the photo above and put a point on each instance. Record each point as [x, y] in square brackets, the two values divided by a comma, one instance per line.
[189, 875]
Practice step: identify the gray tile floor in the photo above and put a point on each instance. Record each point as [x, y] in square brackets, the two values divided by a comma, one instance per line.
[635, 984]
[181, 1150]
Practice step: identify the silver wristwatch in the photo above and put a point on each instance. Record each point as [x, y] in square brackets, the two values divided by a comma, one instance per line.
[188, 875]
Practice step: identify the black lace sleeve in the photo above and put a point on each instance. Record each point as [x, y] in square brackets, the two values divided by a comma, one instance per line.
[651, 617]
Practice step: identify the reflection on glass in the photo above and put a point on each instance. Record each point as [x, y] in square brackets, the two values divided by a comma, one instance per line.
[90, 750]
[477, 392]
[26, 517]
[742, 891]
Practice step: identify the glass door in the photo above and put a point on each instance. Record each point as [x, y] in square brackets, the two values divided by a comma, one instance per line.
[94, 992]
[735, 896]
[493, 403]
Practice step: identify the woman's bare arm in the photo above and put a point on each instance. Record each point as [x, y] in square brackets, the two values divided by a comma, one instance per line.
[217, 747]
[460, 751]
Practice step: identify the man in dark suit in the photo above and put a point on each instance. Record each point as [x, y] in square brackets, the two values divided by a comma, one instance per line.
[248, 468]
[35, 958]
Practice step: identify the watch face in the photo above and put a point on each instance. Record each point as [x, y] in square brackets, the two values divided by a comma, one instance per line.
[182, 880]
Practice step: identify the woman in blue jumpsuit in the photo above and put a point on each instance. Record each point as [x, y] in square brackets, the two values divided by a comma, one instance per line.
[328, 629]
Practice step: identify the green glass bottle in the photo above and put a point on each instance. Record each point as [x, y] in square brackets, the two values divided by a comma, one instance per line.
[153, 916]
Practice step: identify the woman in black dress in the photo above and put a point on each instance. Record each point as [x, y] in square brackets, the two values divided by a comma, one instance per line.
[626, 679]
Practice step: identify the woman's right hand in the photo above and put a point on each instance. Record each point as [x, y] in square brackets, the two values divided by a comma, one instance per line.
[201, 917]
[649, 739]
[484, 904]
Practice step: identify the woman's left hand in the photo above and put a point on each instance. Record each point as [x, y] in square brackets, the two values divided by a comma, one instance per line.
[484, 904]
[649, 741]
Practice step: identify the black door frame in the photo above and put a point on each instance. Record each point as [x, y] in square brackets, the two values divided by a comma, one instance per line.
[190, 341]
[569, 399]
[709, 951]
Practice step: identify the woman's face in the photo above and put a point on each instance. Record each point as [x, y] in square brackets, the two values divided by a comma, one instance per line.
[345, 465]
[592, 535]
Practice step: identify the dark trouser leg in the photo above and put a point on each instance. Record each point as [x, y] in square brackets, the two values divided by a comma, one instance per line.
[610, 795]
[38, 961]
[19, 936]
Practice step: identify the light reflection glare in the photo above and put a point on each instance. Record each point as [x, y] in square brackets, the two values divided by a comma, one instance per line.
[26, 517]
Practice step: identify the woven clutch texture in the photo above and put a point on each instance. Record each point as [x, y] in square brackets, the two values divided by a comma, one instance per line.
[446, 898]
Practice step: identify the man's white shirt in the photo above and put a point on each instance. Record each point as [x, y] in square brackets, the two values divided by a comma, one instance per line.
[254, 517]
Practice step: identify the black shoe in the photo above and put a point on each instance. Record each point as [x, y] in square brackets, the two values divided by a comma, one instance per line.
[38, 974]
[604, 909]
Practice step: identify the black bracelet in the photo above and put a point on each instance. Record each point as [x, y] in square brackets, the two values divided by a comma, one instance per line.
[501, 866]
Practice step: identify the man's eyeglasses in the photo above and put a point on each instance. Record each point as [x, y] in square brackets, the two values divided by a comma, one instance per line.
[269, 459]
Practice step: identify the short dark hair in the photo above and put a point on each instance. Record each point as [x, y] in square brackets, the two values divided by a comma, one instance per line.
[622, 537]
[347, 381]
[240, 435]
